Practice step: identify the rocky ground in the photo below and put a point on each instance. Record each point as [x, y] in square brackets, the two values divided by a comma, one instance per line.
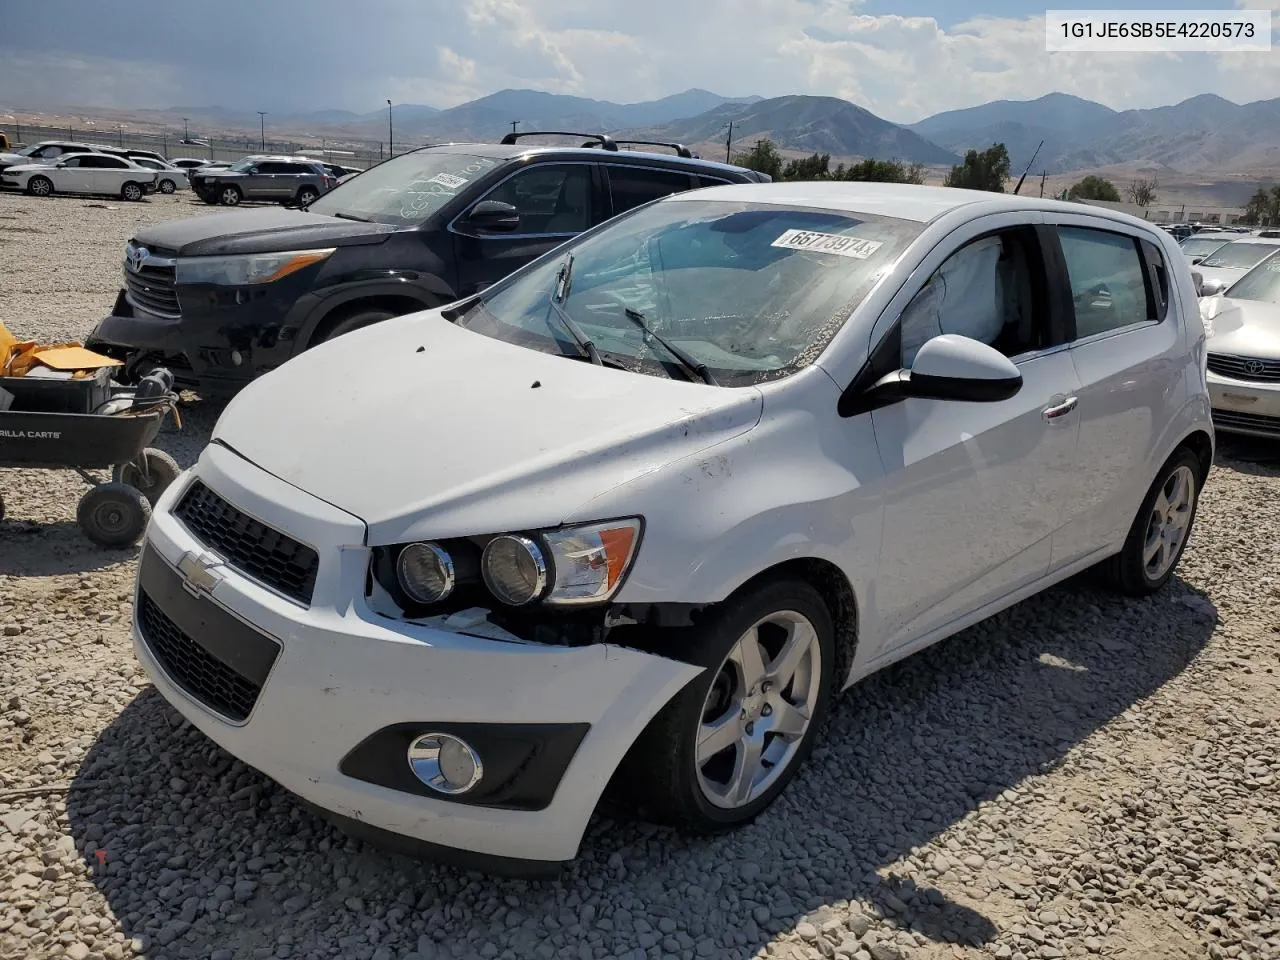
[1081, 776]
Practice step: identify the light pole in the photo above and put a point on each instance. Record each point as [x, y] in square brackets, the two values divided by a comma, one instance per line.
[262, 128]
[391, 139]
[120, 133]
[186, 134]
[514, 124]
[728, 144]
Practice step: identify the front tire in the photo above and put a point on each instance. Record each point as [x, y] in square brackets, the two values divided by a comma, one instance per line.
[131, 192]
[1160, 531]
[351, 321]
[728, 744]
[230, 196]
[39, 186]
[167, 186]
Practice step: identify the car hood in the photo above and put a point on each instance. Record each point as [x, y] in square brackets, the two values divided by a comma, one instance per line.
[425, 429]
[27, 166]
[1228, 275]
[267, 230]
[1243, 328]
[13, 158]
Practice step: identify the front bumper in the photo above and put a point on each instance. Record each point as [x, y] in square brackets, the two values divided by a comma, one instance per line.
[343, 673]
[1245, 406]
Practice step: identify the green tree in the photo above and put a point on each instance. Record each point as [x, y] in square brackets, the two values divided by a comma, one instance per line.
[987, 170]
[1094, 188]
[816, 167]
[763, 158]
[1258, 210]
[883, 171]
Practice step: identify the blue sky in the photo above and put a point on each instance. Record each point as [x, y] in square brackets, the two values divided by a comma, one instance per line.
[902, 61]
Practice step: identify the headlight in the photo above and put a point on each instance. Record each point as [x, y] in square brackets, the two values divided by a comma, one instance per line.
[589, 562]
[514, 569]
[425, 572]
[244, 270]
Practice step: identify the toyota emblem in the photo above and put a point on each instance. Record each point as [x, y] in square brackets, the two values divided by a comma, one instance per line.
[135, 256]
[1254, 367]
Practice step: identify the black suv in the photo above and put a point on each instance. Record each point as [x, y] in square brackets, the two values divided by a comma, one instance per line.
[220, 299]
[283, 179]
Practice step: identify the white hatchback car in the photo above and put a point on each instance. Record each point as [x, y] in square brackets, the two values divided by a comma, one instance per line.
[444, 581]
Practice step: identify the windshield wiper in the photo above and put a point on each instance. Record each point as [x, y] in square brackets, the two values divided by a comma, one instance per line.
[558, 294]
[350, 216]
[691, 367]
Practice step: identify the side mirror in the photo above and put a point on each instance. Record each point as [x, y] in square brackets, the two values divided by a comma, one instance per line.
[952, 367]
[1211, 288]
[493, 215]
[1195, 260]
[60, 164]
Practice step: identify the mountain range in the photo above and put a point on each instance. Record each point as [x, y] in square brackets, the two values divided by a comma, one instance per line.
[1206, 133]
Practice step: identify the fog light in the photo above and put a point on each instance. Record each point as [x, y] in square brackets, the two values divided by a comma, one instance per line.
[445, 763]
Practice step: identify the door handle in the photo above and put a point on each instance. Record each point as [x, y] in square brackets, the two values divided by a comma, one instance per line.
[1058, 411]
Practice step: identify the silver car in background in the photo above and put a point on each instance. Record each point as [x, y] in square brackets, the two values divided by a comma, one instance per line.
[1243, 327]
[1231, 261]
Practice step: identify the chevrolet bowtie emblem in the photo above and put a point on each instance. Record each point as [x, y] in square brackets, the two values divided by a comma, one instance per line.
[199, 577]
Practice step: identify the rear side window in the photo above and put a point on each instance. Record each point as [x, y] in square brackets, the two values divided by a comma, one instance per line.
[632, 186]
[704, 181]
[1108, 277]
[274, 167]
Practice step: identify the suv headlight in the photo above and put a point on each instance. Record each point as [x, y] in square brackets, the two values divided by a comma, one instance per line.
[248, 269]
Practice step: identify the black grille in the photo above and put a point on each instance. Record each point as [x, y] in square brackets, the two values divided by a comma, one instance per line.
[262, 552]
[152, 289]
[1228, 419]
[1245, 368]
[192, 667]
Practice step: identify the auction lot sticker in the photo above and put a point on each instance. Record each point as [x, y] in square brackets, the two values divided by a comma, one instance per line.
[448, 180]
[841, 246]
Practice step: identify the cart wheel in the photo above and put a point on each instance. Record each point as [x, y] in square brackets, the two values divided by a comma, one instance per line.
[113, 515]
[162, 469]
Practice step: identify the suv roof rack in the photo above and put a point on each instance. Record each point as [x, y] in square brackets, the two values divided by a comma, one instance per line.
[680, 149]
[594, 139]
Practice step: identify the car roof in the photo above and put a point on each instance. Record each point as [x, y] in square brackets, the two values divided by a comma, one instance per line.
[502, 151]
[1264, 241]
[905, 201]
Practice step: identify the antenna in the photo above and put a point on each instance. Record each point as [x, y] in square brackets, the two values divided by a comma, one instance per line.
[1029, 163]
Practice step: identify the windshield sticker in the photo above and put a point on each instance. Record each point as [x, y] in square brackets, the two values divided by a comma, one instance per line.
[448, 180]
[835, 243]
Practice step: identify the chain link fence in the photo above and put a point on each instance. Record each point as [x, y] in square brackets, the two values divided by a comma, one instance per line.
[228, 147]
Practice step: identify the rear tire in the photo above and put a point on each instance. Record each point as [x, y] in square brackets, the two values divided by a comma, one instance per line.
[131, 192]
[167, 186]
[209, 198]
[230, 196]
[1160, 531]
[162, 470]
[307, 195]
[678, 770]
[113, 515]
[351, 321]
[39, 186]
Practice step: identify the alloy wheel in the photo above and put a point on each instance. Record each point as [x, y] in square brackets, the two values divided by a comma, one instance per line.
[1169, 522]
[758, 709]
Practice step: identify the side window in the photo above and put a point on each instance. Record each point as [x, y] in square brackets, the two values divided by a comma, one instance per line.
[92, 161]
[991, 290]
[1109, 283]
[111, 163]
[632, 186]
[74, 162]
[711, 181]
[49, 152]
[270, 166]
[552, 199]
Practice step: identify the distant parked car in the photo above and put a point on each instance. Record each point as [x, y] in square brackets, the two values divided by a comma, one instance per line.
[1233, 260]
[130, 153]
[45, 152]
[1200, 245]
[189, 163]
[96, 173]
[1243, 327]
[283, 179]
[171, 177]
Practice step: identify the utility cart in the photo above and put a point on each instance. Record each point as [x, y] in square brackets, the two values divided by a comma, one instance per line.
[114, 433]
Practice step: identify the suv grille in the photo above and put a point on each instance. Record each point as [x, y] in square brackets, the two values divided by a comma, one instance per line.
[1245, 368]
[192, 667]
[266, 554]
[151, 286]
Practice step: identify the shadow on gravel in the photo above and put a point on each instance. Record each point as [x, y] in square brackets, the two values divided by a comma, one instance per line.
[31, 549]
[1254, 454]
[203, 854]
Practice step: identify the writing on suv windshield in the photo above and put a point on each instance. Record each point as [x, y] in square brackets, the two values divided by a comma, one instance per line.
[750, 292]
[406, 189]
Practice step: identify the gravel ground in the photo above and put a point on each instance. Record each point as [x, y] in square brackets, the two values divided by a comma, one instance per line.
[1081, 776]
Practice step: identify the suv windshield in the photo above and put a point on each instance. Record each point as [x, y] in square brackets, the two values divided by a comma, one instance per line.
[753, 291]
[1260, 283]
[405, 189]
[1237, 253]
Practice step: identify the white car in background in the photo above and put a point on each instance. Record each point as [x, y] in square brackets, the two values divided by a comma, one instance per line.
[93, 173]
[720, 457]
[1231, 261]
[46, 153]
[169, 177]
[1243, 326]
[1200, 245]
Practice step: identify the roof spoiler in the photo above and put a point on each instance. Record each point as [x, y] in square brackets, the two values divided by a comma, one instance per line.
[594, 139]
